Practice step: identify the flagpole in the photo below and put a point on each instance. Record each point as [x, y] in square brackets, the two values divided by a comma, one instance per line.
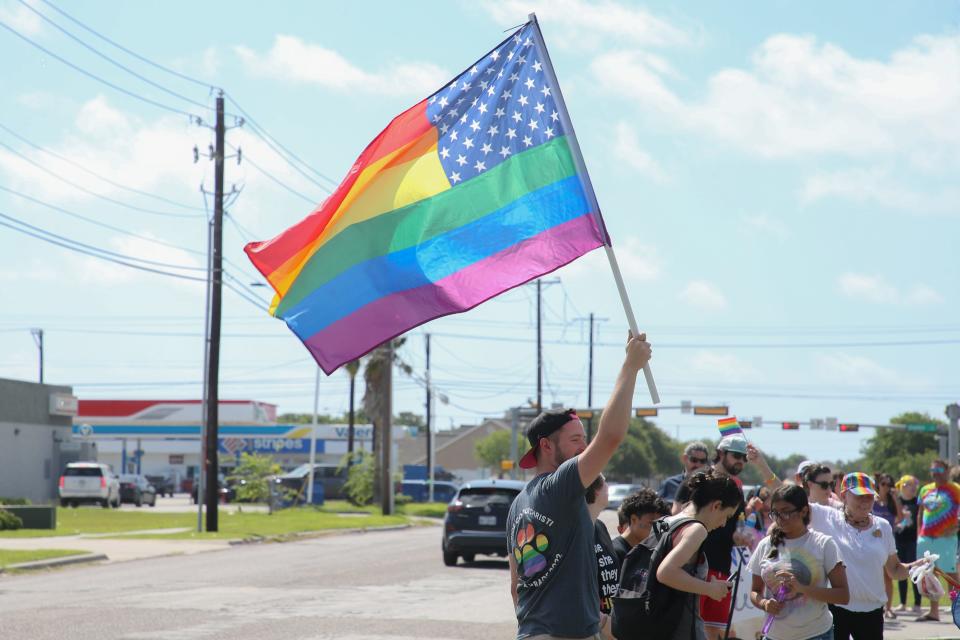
[592, 198]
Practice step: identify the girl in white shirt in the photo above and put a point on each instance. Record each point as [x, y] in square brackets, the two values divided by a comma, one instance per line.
[802, 567]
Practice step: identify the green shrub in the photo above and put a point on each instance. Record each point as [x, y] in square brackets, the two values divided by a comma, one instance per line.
[15, 502]
[401, 499]
[359, 485]
[8, 521]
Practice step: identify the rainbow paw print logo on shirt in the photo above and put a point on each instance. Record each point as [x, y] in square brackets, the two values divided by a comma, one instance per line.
[529, 551]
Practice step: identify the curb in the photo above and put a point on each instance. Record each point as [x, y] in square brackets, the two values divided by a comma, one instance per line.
[307, 535]
[54, 562]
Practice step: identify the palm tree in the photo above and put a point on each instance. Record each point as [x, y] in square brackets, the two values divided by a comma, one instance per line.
[352, 368]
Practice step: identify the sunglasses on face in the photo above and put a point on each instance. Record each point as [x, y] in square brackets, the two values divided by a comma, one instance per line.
[824, 484]
[737, 455]
[783, 515]
[697, 460]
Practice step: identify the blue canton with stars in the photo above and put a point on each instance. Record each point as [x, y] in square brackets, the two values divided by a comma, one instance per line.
[500, 107]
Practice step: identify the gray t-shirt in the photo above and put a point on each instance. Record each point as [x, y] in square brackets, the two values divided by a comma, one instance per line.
[550, 534]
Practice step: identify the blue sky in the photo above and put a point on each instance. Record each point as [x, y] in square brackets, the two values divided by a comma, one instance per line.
[779, 182]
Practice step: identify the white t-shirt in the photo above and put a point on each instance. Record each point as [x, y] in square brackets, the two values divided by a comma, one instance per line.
[864, 553]
[811, 557]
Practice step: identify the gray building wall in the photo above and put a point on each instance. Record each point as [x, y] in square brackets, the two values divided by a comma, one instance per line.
[34, 445]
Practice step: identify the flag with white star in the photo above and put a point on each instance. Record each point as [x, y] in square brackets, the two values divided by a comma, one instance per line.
[473, 191]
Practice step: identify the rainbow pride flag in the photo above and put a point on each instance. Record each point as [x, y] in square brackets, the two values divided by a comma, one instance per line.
[729, 426]
[469, 193]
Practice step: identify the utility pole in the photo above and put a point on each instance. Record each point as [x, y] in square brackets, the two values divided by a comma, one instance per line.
[38, 339]
[953, 414]
[429, 428]
[212, 401]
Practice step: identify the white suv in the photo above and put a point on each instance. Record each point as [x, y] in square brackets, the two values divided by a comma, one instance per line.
[89, 482]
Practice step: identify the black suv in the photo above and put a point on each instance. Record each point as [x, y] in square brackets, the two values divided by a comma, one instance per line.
[476, 520]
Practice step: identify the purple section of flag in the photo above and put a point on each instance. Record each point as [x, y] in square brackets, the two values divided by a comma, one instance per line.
[383, 319]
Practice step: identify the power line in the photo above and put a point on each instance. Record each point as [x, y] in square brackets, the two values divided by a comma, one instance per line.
[102, 257]
[99, 53]
[91, 247]
[124, 49]
[94, 76]
[99, 223]
[279, 182]
[97, 175]
[266, 137]
[166, 214]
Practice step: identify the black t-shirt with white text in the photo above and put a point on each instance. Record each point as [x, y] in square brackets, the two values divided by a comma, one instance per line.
[608, 568]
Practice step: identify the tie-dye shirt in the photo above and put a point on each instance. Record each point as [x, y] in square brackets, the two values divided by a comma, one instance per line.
[940, 509]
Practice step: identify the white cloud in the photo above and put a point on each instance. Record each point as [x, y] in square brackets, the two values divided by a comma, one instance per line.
[711, 365]
[762, 223]
[847, 369]
[638, 261]
[878, 187]
[627, 149]
[704, 295]
[102, 272]
[804, 97]
[294, 60]
[581, 22]
[873, 288]
[21, 18]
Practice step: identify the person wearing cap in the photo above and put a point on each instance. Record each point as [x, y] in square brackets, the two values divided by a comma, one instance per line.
[938, 504]
[550, 535]
[801, 469]
[868, 550]
[694, 457]
[733, 452]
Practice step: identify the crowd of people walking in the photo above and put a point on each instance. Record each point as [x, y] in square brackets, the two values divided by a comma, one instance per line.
[825, 548]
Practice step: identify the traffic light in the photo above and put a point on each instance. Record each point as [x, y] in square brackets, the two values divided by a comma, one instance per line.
[791, 426]
[585, 414]
[711, 411]
[849, 427]
[746, 424]
[646, 413]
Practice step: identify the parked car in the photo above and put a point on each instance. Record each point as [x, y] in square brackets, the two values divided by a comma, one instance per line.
[419, 490]
[164, 486]
[226, 492]
[323, 474]
[620, 491]
[136, 489]
[89, 482]
[476, 520]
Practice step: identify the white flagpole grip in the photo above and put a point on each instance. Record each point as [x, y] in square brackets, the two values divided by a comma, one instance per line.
[618, 277]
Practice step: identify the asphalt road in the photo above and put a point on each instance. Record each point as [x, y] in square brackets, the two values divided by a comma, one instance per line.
[353, 587]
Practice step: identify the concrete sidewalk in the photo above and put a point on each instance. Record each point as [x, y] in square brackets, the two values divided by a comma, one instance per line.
[904, 628]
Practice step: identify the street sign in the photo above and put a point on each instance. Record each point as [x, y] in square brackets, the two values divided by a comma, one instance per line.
[506, 465]
[757, 422]
[685, 406]
[816, 423]
[711, 411]
[646, 413]
[923, 427]
[831, 424]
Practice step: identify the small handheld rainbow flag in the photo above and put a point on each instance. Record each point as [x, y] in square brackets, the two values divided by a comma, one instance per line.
[729, 426]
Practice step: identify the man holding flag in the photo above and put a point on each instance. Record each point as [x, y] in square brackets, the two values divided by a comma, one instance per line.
[732, 454]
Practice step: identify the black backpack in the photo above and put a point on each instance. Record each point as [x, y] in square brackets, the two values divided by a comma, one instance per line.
[645, 609]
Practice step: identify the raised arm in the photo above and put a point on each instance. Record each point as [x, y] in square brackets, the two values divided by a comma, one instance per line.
[616, 415]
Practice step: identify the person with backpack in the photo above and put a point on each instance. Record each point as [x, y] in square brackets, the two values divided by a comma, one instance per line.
[636, 516]
[663, 577]
[550, 536]
[797, 572]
